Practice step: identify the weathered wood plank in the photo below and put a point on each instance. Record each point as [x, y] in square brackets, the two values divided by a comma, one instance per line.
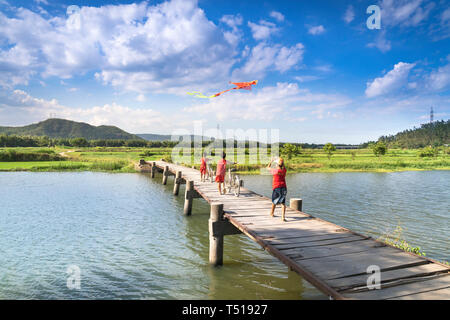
[437, 283]
[325, 236]
[321, 243]
[352, 264]
[388, 275]
[331, 250]
[440, 294]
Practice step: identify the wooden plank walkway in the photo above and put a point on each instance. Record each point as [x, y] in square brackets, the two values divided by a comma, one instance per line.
[332, 258]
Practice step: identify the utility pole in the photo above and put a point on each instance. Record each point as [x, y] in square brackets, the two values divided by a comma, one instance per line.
[431, 115]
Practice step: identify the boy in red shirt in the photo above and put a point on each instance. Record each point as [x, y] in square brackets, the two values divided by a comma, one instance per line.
[203, 167]
[220, 173]
[279, 187]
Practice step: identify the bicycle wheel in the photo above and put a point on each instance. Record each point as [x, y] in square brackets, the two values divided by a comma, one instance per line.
[237, 186]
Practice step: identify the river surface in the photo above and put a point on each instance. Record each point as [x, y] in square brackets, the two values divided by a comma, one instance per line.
[126, 235]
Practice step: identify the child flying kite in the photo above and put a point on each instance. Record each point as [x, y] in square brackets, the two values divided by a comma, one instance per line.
[239, 85]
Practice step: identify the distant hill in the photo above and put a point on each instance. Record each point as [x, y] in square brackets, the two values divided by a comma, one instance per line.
[429, 134]
[61, 128]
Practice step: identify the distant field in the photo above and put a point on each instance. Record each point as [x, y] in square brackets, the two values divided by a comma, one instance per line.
[122, 159]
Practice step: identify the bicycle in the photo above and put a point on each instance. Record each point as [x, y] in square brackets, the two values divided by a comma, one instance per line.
[233, 182]
[210, 172]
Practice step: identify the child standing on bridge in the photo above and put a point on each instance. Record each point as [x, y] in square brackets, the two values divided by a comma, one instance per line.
[203, 167]
[220, 172]
[279, 189]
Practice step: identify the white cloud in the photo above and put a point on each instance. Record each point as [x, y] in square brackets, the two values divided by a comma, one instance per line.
[439, 79]
[20, 108]
[349, 14]
[263, 30]
[233, 21]
[315, 30]
[381, 42]
[391, 82]
[445, 15]
[166, 47]
[269, 102]
[404, 12]
[277, 15]
[324, 68]
[264, 57]
[306, 78]
[399, 13]
[141, 98]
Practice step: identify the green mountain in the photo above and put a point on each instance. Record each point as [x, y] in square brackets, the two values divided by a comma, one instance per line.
[429, 134]
[61, 128]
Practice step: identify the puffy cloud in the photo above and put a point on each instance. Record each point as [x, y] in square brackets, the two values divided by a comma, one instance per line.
[160, 48]
[439, 79]
[392, 81]
[349, 14]
[233, 21]
[381, 42]
[269, 102]
[315, 30]
[277, 15]
[264, 57]
[20, 108]
[399, 13]
[263, 30]
[404, 12]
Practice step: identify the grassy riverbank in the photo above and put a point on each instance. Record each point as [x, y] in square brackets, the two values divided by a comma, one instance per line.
[122, 159]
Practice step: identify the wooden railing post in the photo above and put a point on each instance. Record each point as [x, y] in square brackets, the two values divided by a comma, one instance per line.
[215, 240]
[296, 204]
[153, 169]
[165, 175]
[176, 185]
[189, 197]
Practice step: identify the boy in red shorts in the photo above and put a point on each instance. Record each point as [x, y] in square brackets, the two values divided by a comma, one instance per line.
[221, 171]
[203, 167]
[279, 189]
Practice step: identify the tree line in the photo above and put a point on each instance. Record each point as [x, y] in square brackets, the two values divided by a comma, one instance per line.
[44, 141]
[433, 134]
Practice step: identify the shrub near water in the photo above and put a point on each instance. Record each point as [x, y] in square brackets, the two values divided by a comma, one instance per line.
[109, 165]
[16, 156]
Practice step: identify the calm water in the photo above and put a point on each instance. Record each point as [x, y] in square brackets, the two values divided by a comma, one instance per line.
[127, 234]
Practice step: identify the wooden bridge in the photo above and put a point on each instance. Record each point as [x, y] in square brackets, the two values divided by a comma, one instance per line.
[340, 263]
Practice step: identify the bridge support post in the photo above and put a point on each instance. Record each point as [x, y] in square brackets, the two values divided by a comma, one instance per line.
[218, 228]
[165, 175]
[188, 198]
[153, 169]
[215, 239]
[176, 185]
[296, 204]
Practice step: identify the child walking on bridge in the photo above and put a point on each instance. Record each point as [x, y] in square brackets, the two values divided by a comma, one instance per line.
[279, 189]
[221, 171]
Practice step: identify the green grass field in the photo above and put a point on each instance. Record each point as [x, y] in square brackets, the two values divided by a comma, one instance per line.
[310, 160]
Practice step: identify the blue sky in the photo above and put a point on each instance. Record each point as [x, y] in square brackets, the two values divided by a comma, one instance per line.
[324, 76]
